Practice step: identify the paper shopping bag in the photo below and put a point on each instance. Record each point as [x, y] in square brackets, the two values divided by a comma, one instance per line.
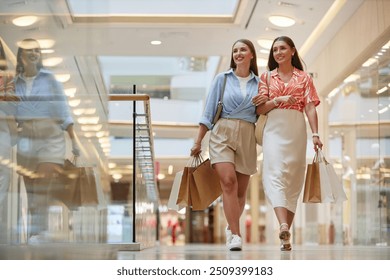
[75, 186]
[331, 185]
[187, 183]
[326, 188]
[312, 190]
[175, 192]
[207, 186]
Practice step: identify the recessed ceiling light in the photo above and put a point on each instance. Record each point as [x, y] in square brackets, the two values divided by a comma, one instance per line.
[282, 21]
[47, 51]
[25, 20]
[53, 61]
[46, 43]
[265, 43]
[155, 42]
[62, 78]
[262, 62]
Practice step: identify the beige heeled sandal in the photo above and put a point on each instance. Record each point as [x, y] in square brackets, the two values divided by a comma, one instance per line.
[284, 236]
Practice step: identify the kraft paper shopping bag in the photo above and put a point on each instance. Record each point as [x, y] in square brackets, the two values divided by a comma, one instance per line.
[207, 186]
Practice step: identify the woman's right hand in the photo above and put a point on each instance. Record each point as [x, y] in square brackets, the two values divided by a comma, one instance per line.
[196, 149]
[259, 99]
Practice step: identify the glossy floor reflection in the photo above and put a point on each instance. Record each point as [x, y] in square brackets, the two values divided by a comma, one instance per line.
[189, 252]
[259, 252]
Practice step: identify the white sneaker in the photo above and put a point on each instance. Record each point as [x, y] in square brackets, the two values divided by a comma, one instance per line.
[39, 238]
[228, 234]
[235, 243]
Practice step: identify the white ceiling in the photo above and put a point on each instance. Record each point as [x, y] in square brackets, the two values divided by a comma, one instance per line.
[117, 41]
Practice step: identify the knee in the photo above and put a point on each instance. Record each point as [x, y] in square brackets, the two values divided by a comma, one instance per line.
[229, 185]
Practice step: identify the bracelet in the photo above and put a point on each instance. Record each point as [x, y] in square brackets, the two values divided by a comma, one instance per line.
[315, 135]
[275, 102]
[197, 144]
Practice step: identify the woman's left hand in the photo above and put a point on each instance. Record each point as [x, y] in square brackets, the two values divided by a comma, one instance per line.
[317, 143]
[259, 99]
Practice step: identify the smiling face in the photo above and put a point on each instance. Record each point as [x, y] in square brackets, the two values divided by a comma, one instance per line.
[241, 54]
[282, 52]
[31, 56]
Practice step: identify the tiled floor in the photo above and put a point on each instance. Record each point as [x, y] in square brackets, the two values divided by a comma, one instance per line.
[189, 252]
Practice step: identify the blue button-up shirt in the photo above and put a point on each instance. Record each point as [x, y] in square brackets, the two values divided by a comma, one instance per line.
[47, 100]
[235, 105]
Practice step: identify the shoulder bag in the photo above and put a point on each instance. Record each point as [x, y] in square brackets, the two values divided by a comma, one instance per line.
[262, 119]
[220, 103]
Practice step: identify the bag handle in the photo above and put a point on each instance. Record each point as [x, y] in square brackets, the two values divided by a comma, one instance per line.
[194, 161]
[319, 157]
[223, 90]
[268, 79]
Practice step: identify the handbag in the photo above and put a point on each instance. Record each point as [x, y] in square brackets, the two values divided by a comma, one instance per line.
[207, 186]
[261, 120]
[220, 103]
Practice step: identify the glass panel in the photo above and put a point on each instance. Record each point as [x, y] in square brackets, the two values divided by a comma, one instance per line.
[359, 139]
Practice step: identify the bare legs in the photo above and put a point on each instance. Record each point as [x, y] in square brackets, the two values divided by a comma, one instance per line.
[285, 218]
[234, 186]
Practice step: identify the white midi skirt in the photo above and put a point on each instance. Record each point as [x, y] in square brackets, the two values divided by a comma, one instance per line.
[284, 150]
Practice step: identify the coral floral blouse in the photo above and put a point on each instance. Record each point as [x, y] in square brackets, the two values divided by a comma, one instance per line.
[300, 86]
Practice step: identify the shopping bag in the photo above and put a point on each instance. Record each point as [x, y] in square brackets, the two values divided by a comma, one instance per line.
[326, 188]
[331, 186]
[207, 187]
[322, 184]
[175, 192]
[75, 186]
[312, 189]
[187, 183]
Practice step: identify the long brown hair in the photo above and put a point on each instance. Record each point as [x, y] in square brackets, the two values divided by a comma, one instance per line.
[295, 61]
[3, 59]
[253, 66]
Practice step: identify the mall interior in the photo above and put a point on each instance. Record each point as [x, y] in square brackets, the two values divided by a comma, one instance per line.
[136, 75]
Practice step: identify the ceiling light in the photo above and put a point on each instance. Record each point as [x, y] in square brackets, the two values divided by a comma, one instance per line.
[369, 62]
[117, 176]
[47, 51]
[265, 43]
[261, 62]
[46, 43]
[155, 42]
[74, 102]
[53, 61]
[25, 20]
[70, 92]
[281, 21]
[62, 78]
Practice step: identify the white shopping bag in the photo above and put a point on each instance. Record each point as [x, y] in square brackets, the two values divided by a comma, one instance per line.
[336, 185]
[175, 192]
[331, 186]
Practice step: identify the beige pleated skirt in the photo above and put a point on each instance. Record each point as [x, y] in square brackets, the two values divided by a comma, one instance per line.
[284, 150]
